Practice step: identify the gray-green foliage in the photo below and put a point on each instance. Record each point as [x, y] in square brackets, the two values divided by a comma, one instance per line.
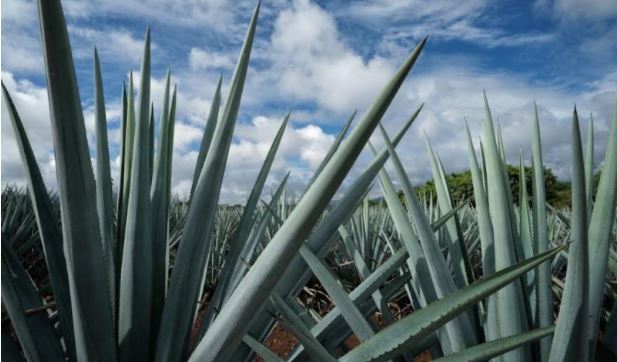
[115, 299]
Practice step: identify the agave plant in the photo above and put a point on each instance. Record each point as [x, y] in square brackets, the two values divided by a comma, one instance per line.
[108, 263]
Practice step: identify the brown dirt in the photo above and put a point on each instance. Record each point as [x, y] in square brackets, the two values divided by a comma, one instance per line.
[280, 341]
[423, 357]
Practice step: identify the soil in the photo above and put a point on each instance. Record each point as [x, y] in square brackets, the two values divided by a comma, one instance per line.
[280, 341]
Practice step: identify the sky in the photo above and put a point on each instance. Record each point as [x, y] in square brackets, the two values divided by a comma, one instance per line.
[322, 60]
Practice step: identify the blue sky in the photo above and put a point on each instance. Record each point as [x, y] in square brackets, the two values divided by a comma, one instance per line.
[322, 60]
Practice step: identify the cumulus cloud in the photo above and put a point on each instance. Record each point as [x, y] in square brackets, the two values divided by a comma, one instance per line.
[311, 59]
[302, 149]
[32, 106]
[113, 45]
[453, 96]
[315, 64]
[202, 59]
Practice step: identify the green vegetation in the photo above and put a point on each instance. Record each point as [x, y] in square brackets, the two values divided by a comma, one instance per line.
[142, 277]
[461, 187]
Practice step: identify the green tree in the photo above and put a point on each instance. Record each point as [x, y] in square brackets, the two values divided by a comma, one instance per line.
[461, 186]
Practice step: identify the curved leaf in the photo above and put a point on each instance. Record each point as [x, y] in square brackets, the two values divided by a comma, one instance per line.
[49, 232]
[35, 332]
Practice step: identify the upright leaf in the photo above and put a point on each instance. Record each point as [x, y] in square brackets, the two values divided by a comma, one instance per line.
[509, 303]
[194, 248]
[206, 140]
[136, 273]
[569, 342]
[526, 236]
[484, 217]
[543, 287]
[160, 196]
[456, 248]
[128, 141]
[104, 202]
[589, 168]
[248, 213]
[460, 330]
[600, 229]
[233, 261]
[87, 272]
[121, 189]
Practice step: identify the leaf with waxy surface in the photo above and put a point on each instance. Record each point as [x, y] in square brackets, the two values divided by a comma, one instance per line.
[194, 248]
[206, 140]
[160, 194]
[90, 303]
[543, 280]
[460, 331]
[394, 339]
[104, 202]
[509, 303]
[489, 350]
[600, 229]
[569, 342]
[49, 232]
[233, 320]
[360, 326]
[233, 259]
[134, 324]
[35, 332]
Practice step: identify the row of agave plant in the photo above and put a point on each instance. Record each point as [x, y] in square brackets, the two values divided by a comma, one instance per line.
[369, 231]
[120, 293]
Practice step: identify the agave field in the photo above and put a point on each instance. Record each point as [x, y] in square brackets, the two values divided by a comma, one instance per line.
[92, 272]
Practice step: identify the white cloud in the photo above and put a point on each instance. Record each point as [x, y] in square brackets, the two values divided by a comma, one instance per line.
[313, 63]
[202, 59]
[115, 45]
[440, 19]
[215, 15]
[301, 151]
[307, 61]
[453, 95]
[579, 9]
[32, 106]
[375, 11]
[21, 46]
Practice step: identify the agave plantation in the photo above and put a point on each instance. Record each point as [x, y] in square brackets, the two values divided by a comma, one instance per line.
[136, 275]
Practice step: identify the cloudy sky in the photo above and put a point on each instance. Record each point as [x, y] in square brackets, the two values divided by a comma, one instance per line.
[322, 60]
